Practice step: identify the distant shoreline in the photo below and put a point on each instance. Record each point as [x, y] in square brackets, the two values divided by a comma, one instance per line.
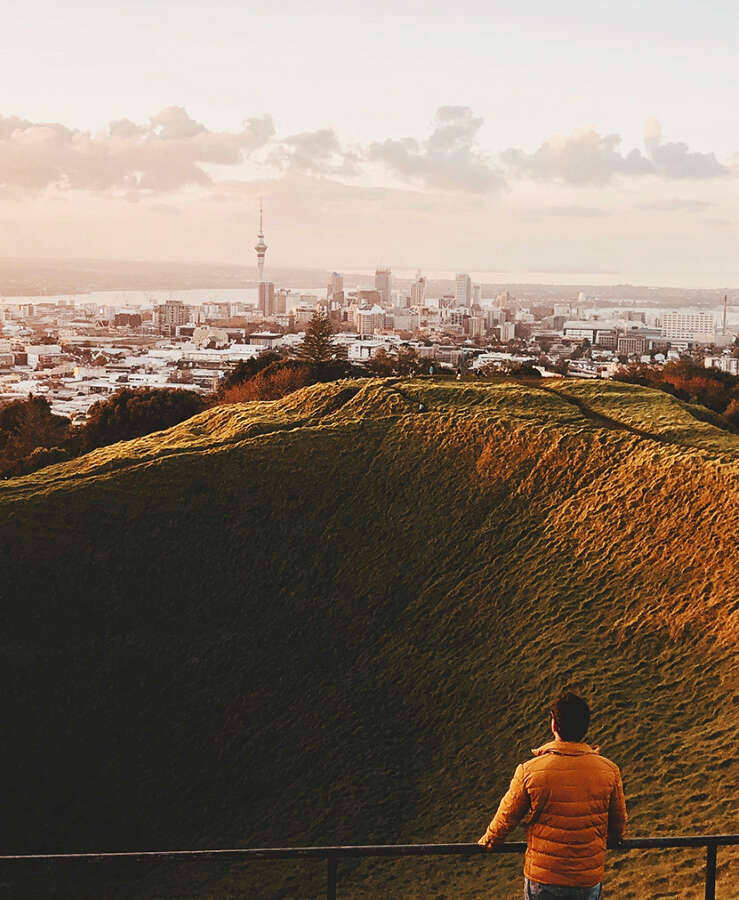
[44, 277]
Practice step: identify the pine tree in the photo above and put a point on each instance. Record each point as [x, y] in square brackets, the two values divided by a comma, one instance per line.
[318, 344]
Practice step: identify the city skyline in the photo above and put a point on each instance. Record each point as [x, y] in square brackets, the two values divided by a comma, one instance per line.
[581, 145]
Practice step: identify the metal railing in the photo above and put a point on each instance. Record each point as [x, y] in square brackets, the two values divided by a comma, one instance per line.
[332, 854]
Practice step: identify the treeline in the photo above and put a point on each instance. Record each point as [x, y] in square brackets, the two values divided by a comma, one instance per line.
[32, 436]
[712, 388]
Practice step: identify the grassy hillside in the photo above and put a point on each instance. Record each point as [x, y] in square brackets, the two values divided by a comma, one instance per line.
[334, 618]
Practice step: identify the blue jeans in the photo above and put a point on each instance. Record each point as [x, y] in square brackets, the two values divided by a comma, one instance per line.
[532, 890]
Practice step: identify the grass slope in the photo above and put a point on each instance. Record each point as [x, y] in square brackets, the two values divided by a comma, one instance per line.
[332, 618]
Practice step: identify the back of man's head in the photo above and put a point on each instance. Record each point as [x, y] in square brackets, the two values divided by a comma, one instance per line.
[571, 716]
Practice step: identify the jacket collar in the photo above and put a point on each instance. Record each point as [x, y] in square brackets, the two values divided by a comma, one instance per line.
[565, 748]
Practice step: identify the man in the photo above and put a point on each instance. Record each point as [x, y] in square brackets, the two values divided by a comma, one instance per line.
[573, 801]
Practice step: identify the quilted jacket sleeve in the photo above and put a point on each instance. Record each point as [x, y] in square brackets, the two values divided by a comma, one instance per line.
[617, 812]
[513, 807]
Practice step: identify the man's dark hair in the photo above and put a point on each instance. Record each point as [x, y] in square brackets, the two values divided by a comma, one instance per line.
[571, 716]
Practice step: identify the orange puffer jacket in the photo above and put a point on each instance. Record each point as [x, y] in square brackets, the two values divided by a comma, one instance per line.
[573, 801]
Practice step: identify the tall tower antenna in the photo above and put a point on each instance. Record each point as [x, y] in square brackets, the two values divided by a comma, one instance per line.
[260, 246]
[725, 299]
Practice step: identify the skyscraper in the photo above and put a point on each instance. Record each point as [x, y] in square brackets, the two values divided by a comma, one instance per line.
[418, 290]
[267, 298]
[280, 301]
[260, 247]
[335, 285]
[383, 284]
[463, 291]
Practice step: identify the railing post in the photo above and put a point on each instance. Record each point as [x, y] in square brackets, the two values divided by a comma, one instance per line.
[710, 871]
[331, 885]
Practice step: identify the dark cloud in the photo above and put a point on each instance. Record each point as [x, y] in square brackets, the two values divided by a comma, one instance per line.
[166, 154]
[449, 159]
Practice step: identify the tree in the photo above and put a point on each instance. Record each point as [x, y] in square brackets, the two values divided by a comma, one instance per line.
[408, 361]
[524, 370]
[245, 370]
[732, 414]
[711, 388]
[381, 363]
[26, 425]
[405, 362]
[318, 345]
[131, 413]
[582, 351]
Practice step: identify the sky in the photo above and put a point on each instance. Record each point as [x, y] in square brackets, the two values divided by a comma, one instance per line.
[577, 141]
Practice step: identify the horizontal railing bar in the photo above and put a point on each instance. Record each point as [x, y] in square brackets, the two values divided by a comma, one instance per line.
[398, 850]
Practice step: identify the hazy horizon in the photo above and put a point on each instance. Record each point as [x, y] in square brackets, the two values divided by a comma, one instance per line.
[548, 280]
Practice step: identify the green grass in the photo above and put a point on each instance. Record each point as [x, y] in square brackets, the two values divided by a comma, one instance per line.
[331, 618]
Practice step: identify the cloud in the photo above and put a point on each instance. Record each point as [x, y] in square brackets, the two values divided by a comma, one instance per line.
[173, 123]
[676, 160]
[575, 212]
[449, 159]
[165, 209]
[584, 157]
[167, 153]
[173, 151]
[587, 157]
[719, 222]
[677, 204]
[315, 153]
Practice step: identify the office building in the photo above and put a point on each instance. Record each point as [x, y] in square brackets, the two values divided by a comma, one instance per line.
[631, 345]
[686, 327]
[384, 284]
[418, 291]
[267, 298]
[335, 287]
[463, 290]
[169, 315]
[369, 319]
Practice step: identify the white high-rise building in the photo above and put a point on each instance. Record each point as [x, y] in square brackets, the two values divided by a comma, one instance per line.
[369, 319]
[463, 290]
[686, 326]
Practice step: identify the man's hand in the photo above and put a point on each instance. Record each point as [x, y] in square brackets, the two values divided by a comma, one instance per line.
[484, 842]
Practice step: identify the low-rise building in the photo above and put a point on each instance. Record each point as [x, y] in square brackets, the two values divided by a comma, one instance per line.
[725, 363]
[631, 345]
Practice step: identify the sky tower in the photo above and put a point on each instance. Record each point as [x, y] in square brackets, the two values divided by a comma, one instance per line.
[260, 246]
